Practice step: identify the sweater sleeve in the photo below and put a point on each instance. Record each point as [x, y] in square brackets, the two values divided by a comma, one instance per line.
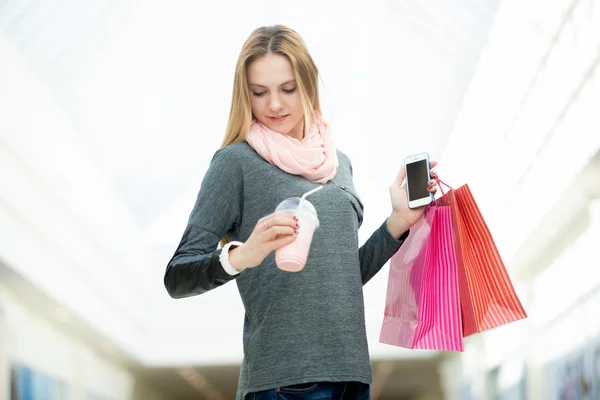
[377, 250]
[195, 267]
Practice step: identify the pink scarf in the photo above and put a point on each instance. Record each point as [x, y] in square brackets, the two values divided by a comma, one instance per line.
[314, 158]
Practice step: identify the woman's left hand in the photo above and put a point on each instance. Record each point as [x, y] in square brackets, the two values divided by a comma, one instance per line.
[402, 217]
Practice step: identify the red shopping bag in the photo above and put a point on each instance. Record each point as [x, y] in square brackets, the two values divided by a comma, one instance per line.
[422, 302]
[487, 296]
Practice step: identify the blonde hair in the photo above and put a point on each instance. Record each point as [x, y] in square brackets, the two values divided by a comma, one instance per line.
[276, 39]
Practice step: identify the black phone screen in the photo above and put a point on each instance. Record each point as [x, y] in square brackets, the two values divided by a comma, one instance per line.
[417, 177]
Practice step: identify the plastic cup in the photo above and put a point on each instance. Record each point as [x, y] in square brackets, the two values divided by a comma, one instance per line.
[292, 257]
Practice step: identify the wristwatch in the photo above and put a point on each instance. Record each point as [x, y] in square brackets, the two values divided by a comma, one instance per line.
[224, 258]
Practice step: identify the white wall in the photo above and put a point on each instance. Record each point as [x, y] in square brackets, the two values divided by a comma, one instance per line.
[38, 344]
[3, 346]
[563, 304]
[531, 126]
[42, 344]
[59, 210]
[530, 121]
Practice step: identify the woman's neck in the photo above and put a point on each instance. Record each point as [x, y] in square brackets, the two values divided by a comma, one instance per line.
[297, 131]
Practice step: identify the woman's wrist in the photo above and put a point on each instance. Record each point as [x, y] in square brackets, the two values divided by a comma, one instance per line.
[397, 225]
[236, 258]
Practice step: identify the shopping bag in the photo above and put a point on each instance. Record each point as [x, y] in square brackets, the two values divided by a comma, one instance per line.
[487, 296]
[422, 302]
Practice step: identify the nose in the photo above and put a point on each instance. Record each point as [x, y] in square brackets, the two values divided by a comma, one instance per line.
[275, 103]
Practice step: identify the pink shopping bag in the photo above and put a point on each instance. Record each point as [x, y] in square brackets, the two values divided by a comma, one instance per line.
[488, 297]
[422, 308]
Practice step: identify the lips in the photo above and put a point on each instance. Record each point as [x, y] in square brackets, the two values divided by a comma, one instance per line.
[278, 119]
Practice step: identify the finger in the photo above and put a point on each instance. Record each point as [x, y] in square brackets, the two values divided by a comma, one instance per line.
[433, 173]
[432, 186]
[280, 214]
[401, 176]
[280, 242]
[275, 232]
[283, 219]
[262, 224]
[278, 218]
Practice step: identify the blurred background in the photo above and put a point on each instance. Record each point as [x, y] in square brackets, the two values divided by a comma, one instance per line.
[110, 111]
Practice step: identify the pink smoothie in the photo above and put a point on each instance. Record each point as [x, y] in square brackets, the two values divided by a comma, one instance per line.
[293, 257]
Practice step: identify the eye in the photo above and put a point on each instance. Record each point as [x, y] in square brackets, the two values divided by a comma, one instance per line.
[258, 94]
[289, 91]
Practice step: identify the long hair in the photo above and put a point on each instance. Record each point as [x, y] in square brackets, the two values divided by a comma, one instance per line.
[277, 39]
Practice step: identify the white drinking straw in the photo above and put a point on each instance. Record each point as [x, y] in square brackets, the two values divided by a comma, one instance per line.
[305, 195]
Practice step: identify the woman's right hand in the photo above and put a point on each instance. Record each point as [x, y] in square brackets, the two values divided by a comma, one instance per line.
[270, 233]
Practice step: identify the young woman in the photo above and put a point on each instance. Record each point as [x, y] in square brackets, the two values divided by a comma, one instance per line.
[304, 332]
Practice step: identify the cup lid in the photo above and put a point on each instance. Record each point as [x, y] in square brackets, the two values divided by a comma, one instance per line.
[295, 204]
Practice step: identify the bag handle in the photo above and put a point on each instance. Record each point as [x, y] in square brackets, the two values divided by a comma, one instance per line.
[440, 183]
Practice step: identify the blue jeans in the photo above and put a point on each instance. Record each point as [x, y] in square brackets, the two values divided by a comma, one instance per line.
[316, 391]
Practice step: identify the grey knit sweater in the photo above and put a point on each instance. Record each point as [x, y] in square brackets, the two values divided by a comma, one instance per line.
[299, 327]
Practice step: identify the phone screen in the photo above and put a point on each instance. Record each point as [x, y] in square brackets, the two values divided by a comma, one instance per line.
[417, 179]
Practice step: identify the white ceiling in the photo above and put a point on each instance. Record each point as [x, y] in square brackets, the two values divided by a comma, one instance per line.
[146, 87]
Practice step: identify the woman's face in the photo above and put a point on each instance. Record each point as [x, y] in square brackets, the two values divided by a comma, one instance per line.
[274, 96]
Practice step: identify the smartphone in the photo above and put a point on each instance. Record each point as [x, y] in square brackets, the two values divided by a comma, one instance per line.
[417, 179]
